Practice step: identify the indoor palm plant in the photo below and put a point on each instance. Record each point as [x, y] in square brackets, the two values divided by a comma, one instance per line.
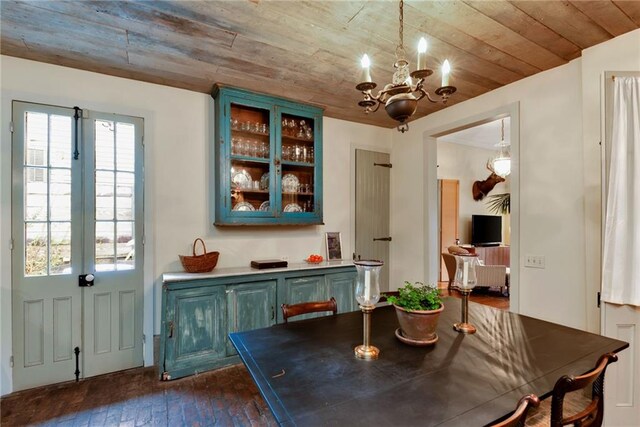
[418, 308]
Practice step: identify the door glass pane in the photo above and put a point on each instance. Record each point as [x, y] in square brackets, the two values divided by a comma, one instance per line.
[47, 194]
[60, 251]
[36, 249]
[125, 147]
[105, 200]
[105, 246]
[104, 144]
[60, 144]
[124, 195]
[298, 159]
[125, 245]
[251, 153]
[35, 194]
[60, 194]
[36, 139]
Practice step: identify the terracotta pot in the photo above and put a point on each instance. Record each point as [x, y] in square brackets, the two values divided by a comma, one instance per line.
[418, 325]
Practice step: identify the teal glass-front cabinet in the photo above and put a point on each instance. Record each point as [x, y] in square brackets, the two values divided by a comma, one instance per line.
[268, 160]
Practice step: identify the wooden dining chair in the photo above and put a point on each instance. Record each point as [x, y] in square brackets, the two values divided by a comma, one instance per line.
[290, 310]
[519, 416]
[593, 414]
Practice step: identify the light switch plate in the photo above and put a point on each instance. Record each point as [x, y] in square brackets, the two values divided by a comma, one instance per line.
[534, 261]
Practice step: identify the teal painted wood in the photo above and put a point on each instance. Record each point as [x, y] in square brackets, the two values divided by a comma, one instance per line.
[247, 305]
[305, 289]
[221, 160]
[250, 306]
[342, 286]
[196, 328]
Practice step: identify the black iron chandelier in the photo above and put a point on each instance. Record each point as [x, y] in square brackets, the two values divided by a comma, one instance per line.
[400, 97]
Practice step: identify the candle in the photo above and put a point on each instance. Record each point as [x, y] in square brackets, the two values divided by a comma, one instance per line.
[366, 74]
[422, 57]
[367, 286]
[465, 274]
[446, 69]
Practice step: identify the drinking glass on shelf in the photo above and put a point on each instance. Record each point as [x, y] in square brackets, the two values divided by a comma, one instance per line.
[310, 155]
[286, 152]
[234, 123]
[308, 134]
[264, 128]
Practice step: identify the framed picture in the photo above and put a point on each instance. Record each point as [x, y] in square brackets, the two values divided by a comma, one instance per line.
[334, 245]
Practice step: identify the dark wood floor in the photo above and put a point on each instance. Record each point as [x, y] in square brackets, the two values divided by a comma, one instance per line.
[482, 296]
[225, 397]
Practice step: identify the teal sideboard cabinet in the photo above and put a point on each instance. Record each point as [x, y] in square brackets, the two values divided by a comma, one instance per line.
[268, 160]
[200, 310]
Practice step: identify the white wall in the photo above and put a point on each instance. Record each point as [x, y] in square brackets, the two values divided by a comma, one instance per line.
[467, 165]
[555, 190]
[177, 194]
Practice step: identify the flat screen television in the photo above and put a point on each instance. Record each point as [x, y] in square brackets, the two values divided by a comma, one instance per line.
[486, 230]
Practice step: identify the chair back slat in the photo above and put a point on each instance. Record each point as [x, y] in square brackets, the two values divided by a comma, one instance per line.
[593, 414]
[291, 310]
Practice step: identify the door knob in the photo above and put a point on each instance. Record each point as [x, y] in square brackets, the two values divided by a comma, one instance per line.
[86, 280]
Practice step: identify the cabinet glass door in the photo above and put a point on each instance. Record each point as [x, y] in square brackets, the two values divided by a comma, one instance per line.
[250, 160]
[298, 153]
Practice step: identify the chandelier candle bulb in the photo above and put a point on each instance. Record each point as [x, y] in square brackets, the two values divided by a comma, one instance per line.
[446, 69]
[422, 57]
[366, 72]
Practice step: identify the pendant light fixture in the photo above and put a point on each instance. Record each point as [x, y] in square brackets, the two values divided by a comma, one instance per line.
[502, 163]
[400, 97]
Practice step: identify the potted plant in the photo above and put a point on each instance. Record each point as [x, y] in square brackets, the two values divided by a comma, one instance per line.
[418, 308]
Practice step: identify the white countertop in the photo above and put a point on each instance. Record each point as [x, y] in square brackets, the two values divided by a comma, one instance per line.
[182, 276]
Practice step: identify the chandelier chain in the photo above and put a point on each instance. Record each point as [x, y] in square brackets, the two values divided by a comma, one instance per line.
[502, 129]
[401, 29]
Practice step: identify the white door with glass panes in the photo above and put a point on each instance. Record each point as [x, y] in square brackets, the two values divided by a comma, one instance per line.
[76, 210]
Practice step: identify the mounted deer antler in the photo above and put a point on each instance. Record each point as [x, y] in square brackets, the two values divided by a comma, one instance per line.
[482, 188]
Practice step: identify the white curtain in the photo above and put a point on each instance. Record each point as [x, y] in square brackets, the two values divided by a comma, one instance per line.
[621, 265]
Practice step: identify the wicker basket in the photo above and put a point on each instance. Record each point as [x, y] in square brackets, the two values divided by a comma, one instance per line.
[199, 263]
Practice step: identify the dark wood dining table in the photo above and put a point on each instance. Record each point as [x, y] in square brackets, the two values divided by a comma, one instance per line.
[308, 375]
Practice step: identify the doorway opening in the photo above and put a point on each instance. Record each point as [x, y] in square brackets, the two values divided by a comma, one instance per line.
[455, 152]
[476, 221]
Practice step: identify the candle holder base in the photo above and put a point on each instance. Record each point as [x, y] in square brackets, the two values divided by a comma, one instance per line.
[366, 352]
[465, 328]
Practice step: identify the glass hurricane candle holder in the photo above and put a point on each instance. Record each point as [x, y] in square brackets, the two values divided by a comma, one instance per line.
[465, 281]
[367, 295]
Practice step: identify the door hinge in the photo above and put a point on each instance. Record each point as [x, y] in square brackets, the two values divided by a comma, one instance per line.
[598, 299]
[143, 141]
[11, 244]
[11, 126]
[144, 338]
[144, 239]
[384, 165]
[11, 361]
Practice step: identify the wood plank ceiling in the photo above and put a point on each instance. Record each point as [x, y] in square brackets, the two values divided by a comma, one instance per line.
[309, 51]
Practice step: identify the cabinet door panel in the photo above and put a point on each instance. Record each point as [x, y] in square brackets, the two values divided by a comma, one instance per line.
[305, 289]
[342, 287]
[250, 306]
[196, 332]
